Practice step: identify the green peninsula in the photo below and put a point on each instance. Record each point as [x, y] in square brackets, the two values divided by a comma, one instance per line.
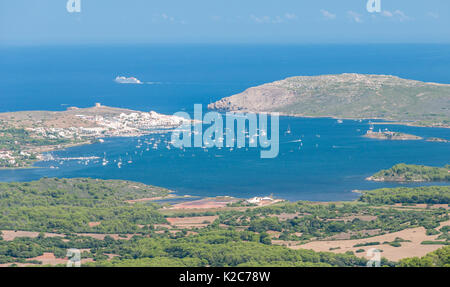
[413, 173]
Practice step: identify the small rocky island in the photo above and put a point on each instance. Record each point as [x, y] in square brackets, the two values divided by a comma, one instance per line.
[388, 135]
[438, 140]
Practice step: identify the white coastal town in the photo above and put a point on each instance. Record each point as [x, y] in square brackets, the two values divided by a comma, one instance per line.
[26, 135]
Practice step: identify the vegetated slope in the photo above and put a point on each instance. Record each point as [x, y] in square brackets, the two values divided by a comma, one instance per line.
[69, 205]
[97, 217]
[423, 194]
[412, 173]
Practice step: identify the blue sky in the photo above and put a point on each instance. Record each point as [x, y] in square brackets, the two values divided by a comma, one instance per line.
[38, 22]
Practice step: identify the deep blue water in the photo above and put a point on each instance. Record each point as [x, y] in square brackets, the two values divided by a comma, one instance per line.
[328, 167]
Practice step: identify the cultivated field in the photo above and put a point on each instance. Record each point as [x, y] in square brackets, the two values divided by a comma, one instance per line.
[407, 249]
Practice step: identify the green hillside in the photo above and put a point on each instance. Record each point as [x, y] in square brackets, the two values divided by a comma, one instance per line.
[348, 96]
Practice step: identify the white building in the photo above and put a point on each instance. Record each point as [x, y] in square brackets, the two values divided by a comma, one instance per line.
[256, 200]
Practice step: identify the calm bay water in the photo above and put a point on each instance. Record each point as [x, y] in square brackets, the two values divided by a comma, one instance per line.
[333, 160]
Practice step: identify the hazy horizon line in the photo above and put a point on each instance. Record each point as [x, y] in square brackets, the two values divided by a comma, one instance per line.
[87, 44]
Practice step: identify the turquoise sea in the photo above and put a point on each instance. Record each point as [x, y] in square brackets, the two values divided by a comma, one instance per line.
[333, 160]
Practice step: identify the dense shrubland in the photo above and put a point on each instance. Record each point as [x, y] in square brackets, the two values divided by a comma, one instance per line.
[238, 237]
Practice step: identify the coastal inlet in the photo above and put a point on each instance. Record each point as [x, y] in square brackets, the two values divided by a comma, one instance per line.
[319, 159]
